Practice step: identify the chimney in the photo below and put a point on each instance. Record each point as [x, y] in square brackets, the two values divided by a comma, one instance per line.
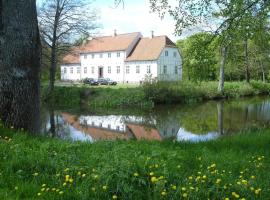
[115, 33]
[152, 34]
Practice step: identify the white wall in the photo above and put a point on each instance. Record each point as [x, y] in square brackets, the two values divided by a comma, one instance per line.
[75, 76]
[134, 77]
[171, 62]
[104, 62]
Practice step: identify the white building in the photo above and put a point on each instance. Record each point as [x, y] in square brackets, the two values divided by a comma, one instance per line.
[125, 58]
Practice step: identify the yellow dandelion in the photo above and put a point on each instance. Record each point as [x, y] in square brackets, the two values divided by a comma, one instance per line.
[35, 174]
[258, 191]
[174, 187]
[93, 189]
[234, 194]
[227, 198]
[114, 197]
[136, 174]
[218, 181]
[61, 192]
[163, 193]
[71, 180]
[151, 173]
[190, 178]
[252, 177]
[154, 179]
[79, 173]
[16, 188]
[39, 194]
[64, 184]
[183, 189]
[185, 195]
[83, 175]
[43, 185]
[104, 187]
[43, 189]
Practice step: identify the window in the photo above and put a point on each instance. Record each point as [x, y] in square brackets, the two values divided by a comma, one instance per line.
[109, 55]
[85, 70]
[166, 53]
[101, 55]
[85, 56]
[164, 69]
[118, 54]
[118, 69]
[65, 70]
[93, 56]
[148, 69]
[71, 70]
[138, 69]
[93, 70]
[127, 69]
[176, 70]
[109, 70]
[78, 70]
[174, 54]
[109, 126]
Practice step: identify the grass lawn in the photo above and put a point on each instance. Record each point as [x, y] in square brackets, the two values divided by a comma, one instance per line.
[234, 167]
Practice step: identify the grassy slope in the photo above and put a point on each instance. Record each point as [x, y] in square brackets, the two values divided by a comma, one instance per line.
[143, 96]
[134, 170]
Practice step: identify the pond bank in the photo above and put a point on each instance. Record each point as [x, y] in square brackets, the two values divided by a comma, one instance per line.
[146, 96]
[42, 168]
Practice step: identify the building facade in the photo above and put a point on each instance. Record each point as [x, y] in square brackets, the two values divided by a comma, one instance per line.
[125, 58]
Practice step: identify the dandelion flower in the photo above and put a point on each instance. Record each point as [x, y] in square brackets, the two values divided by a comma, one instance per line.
[114, 197]
[185, 195]
[104, 187]
[39, 194]
[151, 173]
[136, 174]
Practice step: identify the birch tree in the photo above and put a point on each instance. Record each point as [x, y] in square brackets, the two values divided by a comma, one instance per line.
[19, 64]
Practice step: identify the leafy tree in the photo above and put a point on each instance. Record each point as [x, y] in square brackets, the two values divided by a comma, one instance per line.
[19, 64]
[199, 57]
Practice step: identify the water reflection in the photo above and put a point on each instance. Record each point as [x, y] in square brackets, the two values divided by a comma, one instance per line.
[195, 123]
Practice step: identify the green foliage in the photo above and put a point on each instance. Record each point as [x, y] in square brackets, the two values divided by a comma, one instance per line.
[42, 168]
[199, 57]
[179, 92]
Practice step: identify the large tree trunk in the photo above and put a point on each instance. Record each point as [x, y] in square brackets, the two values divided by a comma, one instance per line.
[20, 54]
[221, 68]
[247, 74]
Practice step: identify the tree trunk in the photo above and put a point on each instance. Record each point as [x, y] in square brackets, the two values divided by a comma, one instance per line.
[53, 65]
[20, 53]
[263, 71]
[221, 69]
[246, 61]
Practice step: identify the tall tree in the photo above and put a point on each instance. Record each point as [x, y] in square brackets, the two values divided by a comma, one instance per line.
[19, 64]
[61, 22]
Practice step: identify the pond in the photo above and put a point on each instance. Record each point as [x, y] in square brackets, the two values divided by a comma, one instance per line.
[190, 122]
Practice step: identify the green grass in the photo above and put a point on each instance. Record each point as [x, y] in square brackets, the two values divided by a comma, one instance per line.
[149, 94]
[234, 165]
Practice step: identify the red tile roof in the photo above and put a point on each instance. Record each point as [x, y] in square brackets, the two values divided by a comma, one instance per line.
[73, 57]
[119, 42]
[150, 48]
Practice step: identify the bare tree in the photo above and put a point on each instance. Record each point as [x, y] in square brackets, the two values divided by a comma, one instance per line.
[19, 64]
[61, 22]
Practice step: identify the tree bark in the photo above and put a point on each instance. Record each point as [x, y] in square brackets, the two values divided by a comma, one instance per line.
[221, 69]
[246, 61]
[20, 53]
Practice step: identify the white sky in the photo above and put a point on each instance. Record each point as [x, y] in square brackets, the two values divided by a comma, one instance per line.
[134, 17]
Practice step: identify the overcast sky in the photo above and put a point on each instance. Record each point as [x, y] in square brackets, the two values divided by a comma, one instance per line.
[134, 17]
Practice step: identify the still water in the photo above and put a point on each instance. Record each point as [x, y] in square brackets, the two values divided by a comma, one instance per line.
[191, 122]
